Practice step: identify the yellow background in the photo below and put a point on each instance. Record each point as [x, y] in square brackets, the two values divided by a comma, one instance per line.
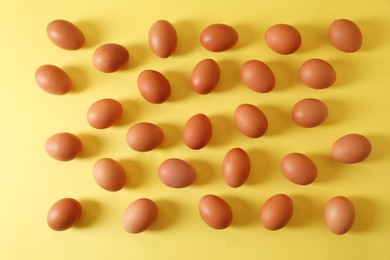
[31, 181]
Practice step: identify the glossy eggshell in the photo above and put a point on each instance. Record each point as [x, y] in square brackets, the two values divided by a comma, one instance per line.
[53, 79]
[153, 86]
[218, 37]
[144, 136]
[215, 211]
[257, 76]
[283, 38]
[64, 214]
[276, 212]
[309, 112]
[339, 215]
[176, 173]
[110, 57]
[104, 113]
[63, 146]
[236, 167]
[205, 76]
[109, 174]
[250, 120]
[65, 34]
[317, 74]
[197, 131]
[345, 35]
[162, 38]
[139, 215]
[298, 168]
[351, 148]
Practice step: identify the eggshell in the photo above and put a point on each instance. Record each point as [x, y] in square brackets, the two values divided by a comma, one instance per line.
[276, 212]
[215, 211]
[53, 79]
[153, 86]
[63, 146]
[65, 34]
[104, 113]
[257, 76]
[64, 214]
[250, 120]
[197, 131]
[218, 37]
[317, 74]
[299, 169]
[351, 148]
[176, 173]
[309, 112]
[110, 57]
[205, 76]
[144, 136]
[109, 174]
[236, 167]
[283, 38]
[345, 35]
[162, 38]
[139, 215]
[339, 215]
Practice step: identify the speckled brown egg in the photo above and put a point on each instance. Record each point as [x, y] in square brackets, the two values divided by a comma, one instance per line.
[144, 136]
[63, 146]
[110, 57]
[64, 214]
[104, 113]
[176, 173]
[65, 34]
[345, 35]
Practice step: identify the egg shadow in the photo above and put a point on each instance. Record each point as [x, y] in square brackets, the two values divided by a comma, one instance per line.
[92, 145]
[246, 35]
[90, 213]
[222, 129]
[304, 211]
[285, 74]
[380, 148]
[313, 37]
[259, 166]
[130, 111]
[337, 112]
[137, 55]
[180, 85]
[172, 135]
[327, 167]
[229, 76]
[133, 171]
[78, 77]
[205, 172]
[278, 120]
[243, 212]
[168, 212]
[91, 33]
[187, 37]
[345, 72]
[373, 33]
[365, 212]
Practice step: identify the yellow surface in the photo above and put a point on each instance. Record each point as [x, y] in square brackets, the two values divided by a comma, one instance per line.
[31, 181]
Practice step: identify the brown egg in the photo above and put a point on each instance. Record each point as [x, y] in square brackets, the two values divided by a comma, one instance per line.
[110, 57]
[283, 38]
[299, 169]
[109, 174]
[65, 35]
[257, 76]
[351, 148]
[218, 37]
[339, 215]
[317, 74]
[53, 80]
[205, 76]
[345, 35]
[64, 214]
[276, 212]
[162, 38]
[104, 113]
[309, 112]
[197, 131]
[176, 173]
[63, 146]
[139, 215]
[250, 120]
[153, 86]
[215, 212]
[144, 136]
[236, 167]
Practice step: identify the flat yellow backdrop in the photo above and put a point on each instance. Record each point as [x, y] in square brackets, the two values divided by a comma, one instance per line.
[31, 181]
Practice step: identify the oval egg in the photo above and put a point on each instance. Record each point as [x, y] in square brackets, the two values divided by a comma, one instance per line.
[64, 214]
[104, 113]
[153, 86]
[110, 57]
[283, 38]
[218, 37]
[351, 148]
[236, 167]
[276, 212]
[162, 38]
[109, 174]
[53, 79]
[309, 112]
[250, 120]
[339, 215]
[215, 212]
[139, 215]
[257, 76]
[63, 146]
[298, 168]
[317, 74]
[144, 136]
[176, 173]
[205, 76]
[345, 35]
[65, 34]
[197, 131]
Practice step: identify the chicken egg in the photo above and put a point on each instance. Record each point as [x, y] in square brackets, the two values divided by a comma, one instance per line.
[257, 76]
[317, 74]
[351, 148]
[205, 76]
[110, 57]
[65, 34]
[53, 79]
[218, 37]
[144, 136]
[162, 38]
[63, 146]
[298, 168]
[139, 215]
[215, 211]
[276, 212]
[153, 86]
[176, 173]
[104, 113]
[236, 167]
[309, 112]
[283, 38]
[345, 35]
[109, 174]
[64, 214]
[250, 120]
[197, 131]
[339, 215]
